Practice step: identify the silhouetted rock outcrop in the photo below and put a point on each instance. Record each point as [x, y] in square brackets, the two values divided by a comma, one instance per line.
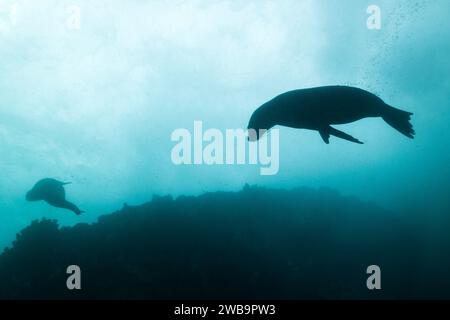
[256, 243]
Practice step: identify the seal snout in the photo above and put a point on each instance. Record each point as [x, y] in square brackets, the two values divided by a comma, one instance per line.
[252, 135]
[30, 196]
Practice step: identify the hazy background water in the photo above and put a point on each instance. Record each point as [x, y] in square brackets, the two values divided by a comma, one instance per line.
[96, 106]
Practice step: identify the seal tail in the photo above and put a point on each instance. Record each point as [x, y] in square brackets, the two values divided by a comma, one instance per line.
[399, 120]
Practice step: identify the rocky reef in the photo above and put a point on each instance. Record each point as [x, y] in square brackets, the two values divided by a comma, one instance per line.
[253, 244]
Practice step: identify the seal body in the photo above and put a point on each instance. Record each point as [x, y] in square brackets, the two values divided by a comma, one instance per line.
[319, 108]
[52, 191]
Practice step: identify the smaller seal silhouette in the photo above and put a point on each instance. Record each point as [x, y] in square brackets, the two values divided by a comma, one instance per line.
[52, 191]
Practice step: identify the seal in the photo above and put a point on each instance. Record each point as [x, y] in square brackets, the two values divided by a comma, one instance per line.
[319, 108]
[52, 191]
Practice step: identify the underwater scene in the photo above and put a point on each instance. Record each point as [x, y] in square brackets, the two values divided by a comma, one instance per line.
[226, 149]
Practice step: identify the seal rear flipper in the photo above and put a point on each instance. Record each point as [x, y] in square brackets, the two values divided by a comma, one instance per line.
[399, 120]
[70, 206]
[342, 135]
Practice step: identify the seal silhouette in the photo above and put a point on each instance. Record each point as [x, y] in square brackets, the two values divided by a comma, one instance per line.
[52, 191]
[319, 108]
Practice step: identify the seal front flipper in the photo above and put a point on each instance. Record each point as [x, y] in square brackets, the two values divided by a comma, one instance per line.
[326, 132]
[325, 135]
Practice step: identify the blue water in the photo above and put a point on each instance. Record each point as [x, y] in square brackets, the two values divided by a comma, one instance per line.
[95, 101]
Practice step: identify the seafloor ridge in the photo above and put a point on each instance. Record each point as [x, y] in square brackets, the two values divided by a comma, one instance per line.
[254, 244]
